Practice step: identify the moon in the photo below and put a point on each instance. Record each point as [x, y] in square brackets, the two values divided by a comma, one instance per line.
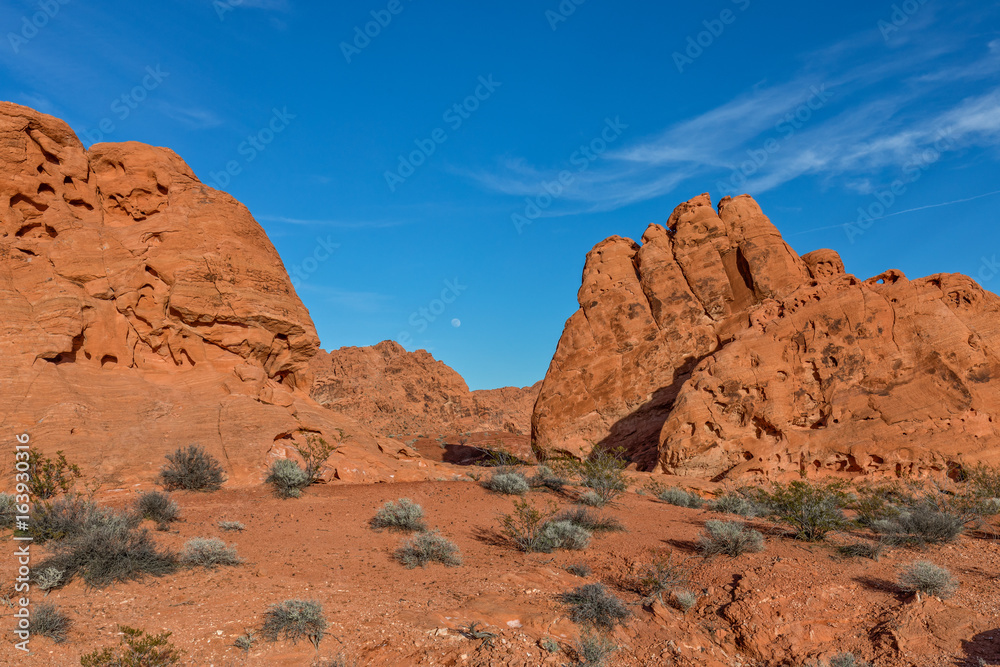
[456, 323]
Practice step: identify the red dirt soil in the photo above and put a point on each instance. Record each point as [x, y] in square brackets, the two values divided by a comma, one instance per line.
[793, 602]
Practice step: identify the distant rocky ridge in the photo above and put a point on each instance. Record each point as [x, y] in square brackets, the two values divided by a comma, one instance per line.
[712, 349]
[142, 311]
[395, 392]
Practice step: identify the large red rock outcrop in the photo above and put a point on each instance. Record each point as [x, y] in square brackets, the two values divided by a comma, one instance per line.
[395, 392]
[141, 311]
[713, 349]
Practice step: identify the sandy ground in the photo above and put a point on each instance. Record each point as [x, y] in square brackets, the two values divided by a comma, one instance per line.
[791, 603]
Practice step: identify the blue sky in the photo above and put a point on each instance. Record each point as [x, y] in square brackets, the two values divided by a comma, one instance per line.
[819, 110]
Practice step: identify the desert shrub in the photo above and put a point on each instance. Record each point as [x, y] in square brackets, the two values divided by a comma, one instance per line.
[404, 515]
[545, 477]
[926, 577]
[73, 515]
[579, 569]
[48, 478]
[158, 507]
[683, 600]
[847, 660]
[193, 469]
[734, 503]
[604, 473]
[499, 458]
[919, 525]
[983, 481]
[592, 604]
[135, 649]
[208, 552]
[339, 660]
[314, 454]
[662, 575]
[507, 483]
[873, 550]
[524, 529]
[8, 510]
[549, 644]
[592, 499]
[812, 510]
[426, 548]
[294, 620]
[730, 538]
[287, 478]
[594, 649]
[246, 641]
[232, 526]
[109, 548]
[586, 519]
[48, 578]
[566, 535]
[676, 496]
[49, 621]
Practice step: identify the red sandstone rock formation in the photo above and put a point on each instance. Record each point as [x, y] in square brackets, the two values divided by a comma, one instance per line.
[395, 392]
[712, 349]
[141, 311]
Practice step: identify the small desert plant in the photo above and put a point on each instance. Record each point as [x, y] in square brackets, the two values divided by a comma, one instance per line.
[579, 569]
[507, 483]
[8, 510]
[47, 477]
[873, 550]
[663, 574]
[549, 644]
[919, 525]
[295, 619]
[49, 621]
[683, 600]
[135, 649]
[847, 660]
[730, 538]
[812, 510]
[208, 552]
[604, 473]
[592, 499]
[426, 548]
[65, 517]
[594, 649]
[926, 577]
[404, 515]
[192, 469]
[472, 631]
[158, 507]
[315, 453]
[677, 496]
[584, 518]
[592, 604]
[287, 478]
[525, 527]
[499, 458]
[545, 477]
[566, 535]
[48, 578]
[734, 503]
[232, 526]
[983, 481]
[339, 660]
[246, 641]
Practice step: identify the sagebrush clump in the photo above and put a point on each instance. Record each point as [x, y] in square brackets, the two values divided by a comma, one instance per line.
[157, 506]
[733, 503]
[729, 538]
[663, 574]
[295, 620]
[926, 577]
[508, 483]
[428, 548]
[565, 535]
[192, 469]
[404, 515]
[584, 518]
[593, 604]
[594, 649]
[922, 524]
[49, 621]
[287, 478]
[677, 496]
[208, 552]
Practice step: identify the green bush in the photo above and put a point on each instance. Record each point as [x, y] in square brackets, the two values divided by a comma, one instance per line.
[294, 620]
[158, 507]
[208, 552]
[586, 519]
[135, 649]
[8, 510]
[565, 535]
[314, 454]
[405, 515]
[729, 538]
[733, 503]
[812, 510]
[48, 478]
[928, 578]
[604, 473]
[592, 604]
[425, 548]
[920, 525]
[524, 529]
[507, 483]
[49, 621]
[594, 649]
[287, 478]
[192, 469]
[677, 496]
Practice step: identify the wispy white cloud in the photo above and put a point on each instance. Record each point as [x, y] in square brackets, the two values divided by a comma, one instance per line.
[191, 116]
[338, 224]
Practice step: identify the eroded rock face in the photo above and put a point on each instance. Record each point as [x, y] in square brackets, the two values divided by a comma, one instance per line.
[712, 349]
[395, 392]
[141, 311]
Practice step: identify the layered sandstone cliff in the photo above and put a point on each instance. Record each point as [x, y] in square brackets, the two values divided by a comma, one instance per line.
[713, 349]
